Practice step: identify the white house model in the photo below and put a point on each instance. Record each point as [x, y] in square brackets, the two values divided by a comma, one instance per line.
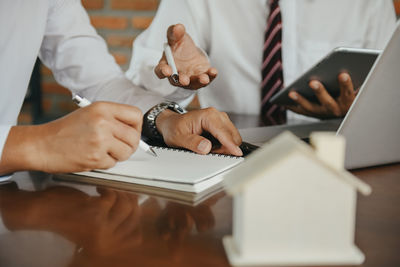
[294, 204]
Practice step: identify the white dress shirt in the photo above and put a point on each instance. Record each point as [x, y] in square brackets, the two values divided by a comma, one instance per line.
[59, 31]
[232, 34]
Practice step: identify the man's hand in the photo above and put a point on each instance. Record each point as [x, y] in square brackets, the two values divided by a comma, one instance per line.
[193, 66]
[185, 130]
[328, 106]
[94, 137]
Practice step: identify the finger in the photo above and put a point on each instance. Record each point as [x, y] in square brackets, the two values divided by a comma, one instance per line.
[221, 150]
[227, 123]
[346, 86]
[184, 79]
[203, 79]
[298, 109]
[119, 151]
[301, 101]
[125, 113]
[108, 198]
[106, 193]
[129, 225]
[107, 162]
[130, 229]
[212, 73]
[163, 70]
[120, 210]
[195, 143]
[226, 140]
[203, 217]
[325, 98]
[126, 134]
[197, 82]
[223, 130]
[129, 115]
[237, 138]
[175, 33]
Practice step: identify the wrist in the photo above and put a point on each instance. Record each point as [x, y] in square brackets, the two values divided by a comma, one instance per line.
[162, 119]
[156, 117]
[21, 151]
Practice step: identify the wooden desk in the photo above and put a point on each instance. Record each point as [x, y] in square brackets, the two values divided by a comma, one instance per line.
[71, 225]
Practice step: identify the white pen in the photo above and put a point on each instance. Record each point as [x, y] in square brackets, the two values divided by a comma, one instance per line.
[171, 62]
[83, 102]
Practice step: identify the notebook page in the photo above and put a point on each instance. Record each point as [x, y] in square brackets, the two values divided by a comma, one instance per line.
[172, 165]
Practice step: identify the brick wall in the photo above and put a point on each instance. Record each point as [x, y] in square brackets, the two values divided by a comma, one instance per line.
[118, 22]
[397, 6]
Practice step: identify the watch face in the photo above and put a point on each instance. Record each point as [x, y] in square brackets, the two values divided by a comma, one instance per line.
[175, 107]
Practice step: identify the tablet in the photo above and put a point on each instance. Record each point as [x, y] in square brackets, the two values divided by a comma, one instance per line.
[355, 61]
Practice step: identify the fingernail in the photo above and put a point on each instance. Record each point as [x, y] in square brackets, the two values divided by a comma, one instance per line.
[314, 85]
[238, 151]
[345, 77]
[293, 95]
[204, 146]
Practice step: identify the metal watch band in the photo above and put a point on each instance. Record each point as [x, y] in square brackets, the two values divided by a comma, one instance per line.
[149, 122]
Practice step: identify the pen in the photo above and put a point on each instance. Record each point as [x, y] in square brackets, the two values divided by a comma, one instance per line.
[83, 102]
[171, 62]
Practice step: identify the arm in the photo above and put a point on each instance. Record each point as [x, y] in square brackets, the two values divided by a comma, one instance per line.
[192, 64]
[328, 107]
[94, 137]
[103, 133]
[79, 59]
[148, 47]
[83, 64]
[381, 23]
[90, 138]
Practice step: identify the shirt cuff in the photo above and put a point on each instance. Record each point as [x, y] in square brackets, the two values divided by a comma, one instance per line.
[181, 96]
[5, 178]
[4, 131]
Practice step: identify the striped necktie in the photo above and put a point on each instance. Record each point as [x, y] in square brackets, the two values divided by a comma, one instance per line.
[272, 74]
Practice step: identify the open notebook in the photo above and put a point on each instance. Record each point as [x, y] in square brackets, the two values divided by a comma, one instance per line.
[172, 169]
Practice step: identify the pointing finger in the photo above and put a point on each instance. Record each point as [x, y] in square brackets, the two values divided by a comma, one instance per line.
[175, 33]
[346, 86]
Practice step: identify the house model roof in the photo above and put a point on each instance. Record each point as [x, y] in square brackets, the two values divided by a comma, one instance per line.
[275, 151]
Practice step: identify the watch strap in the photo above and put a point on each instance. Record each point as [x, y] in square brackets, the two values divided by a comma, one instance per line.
[149, 129]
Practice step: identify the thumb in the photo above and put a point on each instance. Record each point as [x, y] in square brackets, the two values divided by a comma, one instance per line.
[175, 33]
[195, 143]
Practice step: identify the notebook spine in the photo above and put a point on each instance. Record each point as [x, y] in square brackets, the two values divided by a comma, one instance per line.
[191, 152]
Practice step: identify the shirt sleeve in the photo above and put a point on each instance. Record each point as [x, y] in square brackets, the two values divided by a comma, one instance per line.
[148, 46]
[4, 130]
[80, 61]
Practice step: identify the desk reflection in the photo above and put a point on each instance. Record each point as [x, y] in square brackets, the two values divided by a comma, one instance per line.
[110, 229]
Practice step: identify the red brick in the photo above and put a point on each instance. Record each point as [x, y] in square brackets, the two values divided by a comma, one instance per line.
[54, 88]
[135, 4]
[45, 71]
[108, 22]
[120, 40]
[93, 4]
[397, 6]
[121, 59]
[142, 23]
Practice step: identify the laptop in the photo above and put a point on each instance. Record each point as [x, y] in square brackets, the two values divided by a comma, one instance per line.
[372, 124]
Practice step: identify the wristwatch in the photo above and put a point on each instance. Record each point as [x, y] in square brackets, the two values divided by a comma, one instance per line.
[149, 129]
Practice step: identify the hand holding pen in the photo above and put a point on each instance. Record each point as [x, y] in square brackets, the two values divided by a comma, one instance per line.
[83, 102]
[183, 63]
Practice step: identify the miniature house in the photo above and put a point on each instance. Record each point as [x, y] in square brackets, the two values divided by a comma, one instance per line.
[294, 204]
